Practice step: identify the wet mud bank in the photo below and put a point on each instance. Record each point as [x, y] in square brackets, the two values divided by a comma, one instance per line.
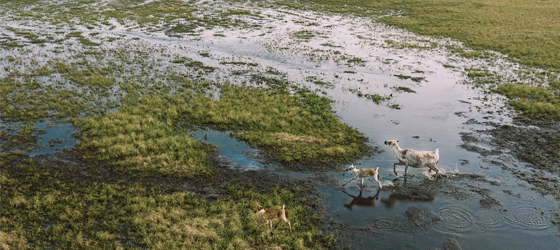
[531, 144]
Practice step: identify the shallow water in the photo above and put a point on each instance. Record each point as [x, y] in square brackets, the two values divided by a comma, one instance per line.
[385, 224]
[490, 210]
[482, 205]
[57, 137]
[237, 154]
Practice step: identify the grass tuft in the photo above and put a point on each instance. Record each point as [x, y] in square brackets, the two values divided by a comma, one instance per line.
[534, 102]
[86, 211]
[294, 128]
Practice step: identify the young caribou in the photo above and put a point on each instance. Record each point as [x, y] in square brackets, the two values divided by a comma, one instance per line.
[363, 173]
[271, 214]
[413, 158]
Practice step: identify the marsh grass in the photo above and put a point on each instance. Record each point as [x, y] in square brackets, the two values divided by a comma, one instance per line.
[525, 30]
[294, 128]
[473, 73]
[26, 100]
[197, 65]
[142, 139]
[330, 45]
[324, 84]
[376, 97]
[298, 128]
[528, 32]
[53, 206]
[171, 16]
[356, 60]
[133, 121]
[240, 63]
[305, 35]
[238, 12]
[413, 78]
[145, 139]
[88, 42]
[533, 101]
[403, 89]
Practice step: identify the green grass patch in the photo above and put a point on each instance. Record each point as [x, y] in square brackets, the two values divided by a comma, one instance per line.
[377, 98]
[303, 35]
[142, 140]
[403, 89]
[43, 208]
[238, 12]
[240, 63]
[294, 128]
[88, 42]
[200, 66]
[330, 45]
[475, 74]
[204, 54]
[534, 102]
[324, 84]
[356, 60]
[27, 100]
[74, 34]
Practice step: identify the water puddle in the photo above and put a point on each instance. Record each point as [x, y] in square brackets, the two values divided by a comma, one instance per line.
[42, 138]
[58, 136]
[237, 154]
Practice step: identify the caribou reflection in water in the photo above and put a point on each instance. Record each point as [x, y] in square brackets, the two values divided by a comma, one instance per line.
[407, 195]
[361, 201]
[403, 195]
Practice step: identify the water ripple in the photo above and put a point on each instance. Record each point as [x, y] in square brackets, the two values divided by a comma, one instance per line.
[528, 217]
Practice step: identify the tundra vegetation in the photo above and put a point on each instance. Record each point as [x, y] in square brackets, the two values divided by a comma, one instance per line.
[141, 134]
[59, 205]
[119, 188]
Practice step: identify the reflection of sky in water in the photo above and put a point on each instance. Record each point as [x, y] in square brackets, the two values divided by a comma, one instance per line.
[232, 151]
[56, 138]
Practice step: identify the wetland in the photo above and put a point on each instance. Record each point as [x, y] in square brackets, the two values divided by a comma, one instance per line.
[160, 124]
